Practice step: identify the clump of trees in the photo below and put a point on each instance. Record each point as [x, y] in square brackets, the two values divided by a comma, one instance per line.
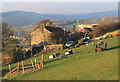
[10, 51]
[74, 36]
[58, 35]
[103, 28]
[6, 33]
[12, 54]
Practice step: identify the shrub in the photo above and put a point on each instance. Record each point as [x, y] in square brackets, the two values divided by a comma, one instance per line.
[103, 28]
[12, 54]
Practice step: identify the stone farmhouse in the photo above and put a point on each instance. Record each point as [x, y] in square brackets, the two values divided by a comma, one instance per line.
[41, 34]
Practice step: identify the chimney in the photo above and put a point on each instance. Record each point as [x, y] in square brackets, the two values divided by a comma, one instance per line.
[77, 22]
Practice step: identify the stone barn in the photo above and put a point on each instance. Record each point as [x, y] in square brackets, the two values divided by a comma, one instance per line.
[41, 34]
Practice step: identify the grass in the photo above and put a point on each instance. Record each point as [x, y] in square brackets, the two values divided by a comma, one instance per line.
[84, 64]
[24, 29]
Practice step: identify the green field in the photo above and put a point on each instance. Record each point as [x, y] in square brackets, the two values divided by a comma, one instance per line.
[84, 64]
[23, 30]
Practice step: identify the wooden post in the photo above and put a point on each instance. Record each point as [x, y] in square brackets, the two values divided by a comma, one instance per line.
[42, 61]
[24, 55]
[18, 66]
[38, 66]
[35, 63]
[17, 59]
[31, 53]
[44, 47]
[23, 67]
[42, 57]
[32, 64]
[10, 71]
[50, 47]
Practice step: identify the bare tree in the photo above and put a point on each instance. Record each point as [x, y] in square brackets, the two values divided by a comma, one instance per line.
[6, 32]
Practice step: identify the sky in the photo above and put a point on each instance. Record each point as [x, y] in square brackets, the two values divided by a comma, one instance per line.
[59, 0]
[59, 7]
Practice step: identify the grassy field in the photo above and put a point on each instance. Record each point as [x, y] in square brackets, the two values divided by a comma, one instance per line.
[24, 29]
[84, 64]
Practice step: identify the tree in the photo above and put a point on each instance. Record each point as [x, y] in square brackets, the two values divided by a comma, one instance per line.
[74, 36]
[103, 28]
[57, 36]
[6, 32]
[75, 28]
[108, 20]
[9, 52]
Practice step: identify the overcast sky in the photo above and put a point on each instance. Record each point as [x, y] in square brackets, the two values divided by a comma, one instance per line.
[59, 7]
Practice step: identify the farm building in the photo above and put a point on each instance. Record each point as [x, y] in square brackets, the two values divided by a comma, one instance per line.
[39, 35]
[80, 27]
[87, 26]
[42, 34]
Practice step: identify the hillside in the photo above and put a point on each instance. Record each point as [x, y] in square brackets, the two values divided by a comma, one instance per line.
[67, 24]
[84, 64]
[21, 18]
[23, 31]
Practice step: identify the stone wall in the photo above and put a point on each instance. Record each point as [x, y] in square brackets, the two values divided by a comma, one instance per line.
[53, 47]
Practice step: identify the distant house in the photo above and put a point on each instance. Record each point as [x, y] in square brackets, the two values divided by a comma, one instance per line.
[87, 26]
[15, 37]
[79, 27]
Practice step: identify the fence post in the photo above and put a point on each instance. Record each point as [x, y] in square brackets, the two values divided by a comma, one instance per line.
[24, 57]
[10, 71]
[42, 61]
[40, 64]
[23, 67]
[50, 48]
[44, 47]
[17, 59]
[35, 63]
[31, 53]
[18, 66]
[32, 64]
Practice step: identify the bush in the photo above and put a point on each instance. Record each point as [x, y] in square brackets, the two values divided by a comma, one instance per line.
[103, 28]
[12, 54]
[7, 59]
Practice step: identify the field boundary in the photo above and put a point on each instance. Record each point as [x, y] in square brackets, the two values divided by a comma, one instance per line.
[33, 65]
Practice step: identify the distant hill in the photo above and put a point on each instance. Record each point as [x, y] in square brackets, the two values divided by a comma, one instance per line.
[21, 18]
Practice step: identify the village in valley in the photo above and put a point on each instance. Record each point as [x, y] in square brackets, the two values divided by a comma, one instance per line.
[69, 49]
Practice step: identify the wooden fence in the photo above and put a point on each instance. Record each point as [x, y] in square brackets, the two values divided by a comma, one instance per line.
[34, 65]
